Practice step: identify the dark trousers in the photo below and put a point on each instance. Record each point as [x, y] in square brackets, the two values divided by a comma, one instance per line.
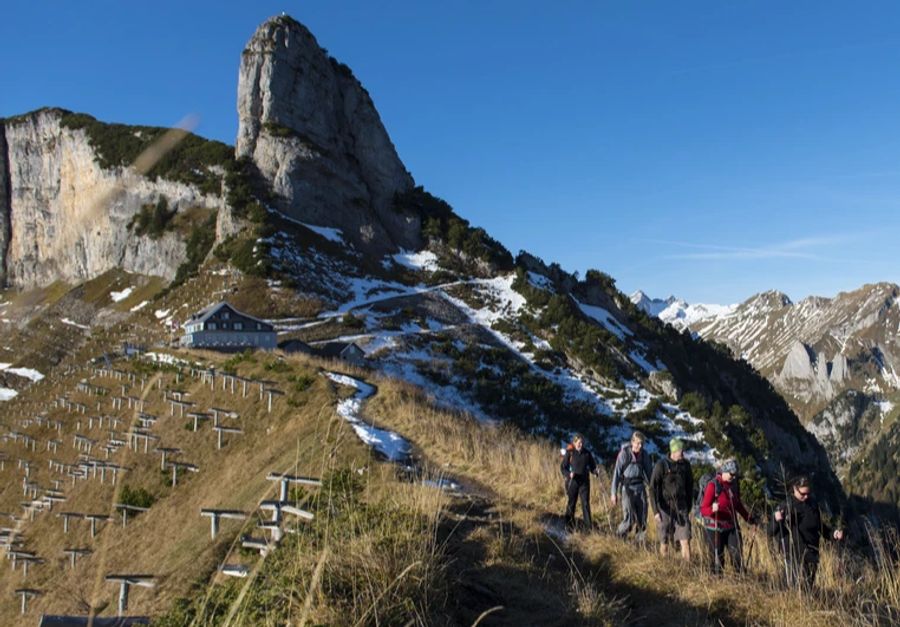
[801, 569]
[579, 487]
[718, 542]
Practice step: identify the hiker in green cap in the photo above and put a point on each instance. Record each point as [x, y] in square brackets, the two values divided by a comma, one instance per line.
[671, 495]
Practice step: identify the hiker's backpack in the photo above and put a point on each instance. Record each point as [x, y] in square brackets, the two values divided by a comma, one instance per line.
[625, 449]
[704, 481]
[672, 485]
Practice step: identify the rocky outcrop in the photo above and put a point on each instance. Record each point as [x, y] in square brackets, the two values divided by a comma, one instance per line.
[851, 421]
[67, 217]
[315, 136]
[4, 204]
[799, 362]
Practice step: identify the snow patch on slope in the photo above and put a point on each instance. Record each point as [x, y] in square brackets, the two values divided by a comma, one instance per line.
[120, 296]
[422, 260]
[388, 443]
[72, 323]
[27, 373]
[605, 318]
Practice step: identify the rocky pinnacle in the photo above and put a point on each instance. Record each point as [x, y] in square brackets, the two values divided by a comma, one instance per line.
[315, 136]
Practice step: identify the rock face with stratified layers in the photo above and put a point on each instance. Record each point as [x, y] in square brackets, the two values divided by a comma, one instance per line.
[65, 217]
[315, 136]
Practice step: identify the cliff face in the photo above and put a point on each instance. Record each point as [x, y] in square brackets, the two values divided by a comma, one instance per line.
[4, 204]
[63, 217]
[314, 134]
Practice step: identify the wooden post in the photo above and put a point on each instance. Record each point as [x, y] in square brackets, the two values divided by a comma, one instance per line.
[94, 518]
[66, 516]
[125, 582]
[74, 554]
[214, 516]
[285, 479]
[25, 594]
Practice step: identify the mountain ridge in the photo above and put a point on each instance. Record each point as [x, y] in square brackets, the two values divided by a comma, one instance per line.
[835, 360]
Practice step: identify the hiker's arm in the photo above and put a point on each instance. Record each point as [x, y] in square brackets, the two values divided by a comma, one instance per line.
[564, 465]
[690, 488]
[832, 533]
[655, 481]
[617, 476]
[592, 464]
[707, 503]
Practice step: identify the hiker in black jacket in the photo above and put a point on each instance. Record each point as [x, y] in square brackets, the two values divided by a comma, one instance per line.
[577, 464]
[671, 495]
[797, 527]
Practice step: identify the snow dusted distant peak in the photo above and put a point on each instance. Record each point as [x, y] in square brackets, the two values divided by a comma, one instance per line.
[682, 315]
[652, 306]
[771, 299]
[678, 312]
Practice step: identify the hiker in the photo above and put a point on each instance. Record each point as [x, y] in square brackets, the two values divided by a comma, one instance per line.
[719, 508]
[577, 464]
[671, 495]
[798, 527]
[630, 478]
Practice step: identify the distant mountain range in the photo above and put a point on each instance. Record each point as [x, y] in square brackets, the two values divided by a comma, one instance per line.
[678, 312]
[835, 360]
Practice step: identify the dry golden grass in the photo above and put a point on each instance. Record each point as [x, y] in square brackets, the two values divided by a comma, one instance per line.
[523, 472]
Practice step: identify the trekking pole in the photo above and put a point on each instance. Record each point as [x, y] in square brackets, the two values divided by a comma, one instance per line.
[783, 528]
[749, 561]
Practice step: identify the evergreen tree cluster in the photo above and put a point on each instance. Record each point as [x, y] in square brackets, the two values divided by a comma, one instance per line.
[441, 226]
[153, 219]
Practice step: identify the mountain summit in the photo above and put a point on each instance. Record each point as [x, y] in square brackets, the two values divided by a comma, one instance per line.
[314, 135]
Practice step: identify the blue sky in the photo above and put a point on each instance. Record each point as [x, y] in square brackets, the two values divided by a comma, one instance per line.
[707, 149]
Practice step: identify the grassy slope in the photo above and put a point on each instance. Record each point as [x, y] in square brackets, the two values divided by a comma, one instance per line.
[627, 584]
[171, 541]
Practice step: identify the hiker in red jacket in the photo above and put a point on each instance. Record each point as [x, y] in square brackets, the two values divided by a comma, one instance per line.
[719, 508]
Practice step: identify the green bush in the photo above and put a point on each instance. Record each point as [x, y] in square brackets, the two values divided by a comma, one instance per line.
[245, 194]
[153, 219]
[278, 130]
[199, 243]
[353, 322]
[441, 224]
[230, 365]
[136, 497]
[245, 254]
[301, 382]
[277, 365]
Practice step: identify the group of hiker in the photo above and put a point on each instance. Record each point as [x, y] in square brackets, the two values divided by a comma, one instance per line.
[668, 487]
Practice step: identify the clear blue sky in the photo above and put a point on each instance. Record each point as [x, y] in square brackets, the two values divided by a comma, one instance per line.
[708, 149]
